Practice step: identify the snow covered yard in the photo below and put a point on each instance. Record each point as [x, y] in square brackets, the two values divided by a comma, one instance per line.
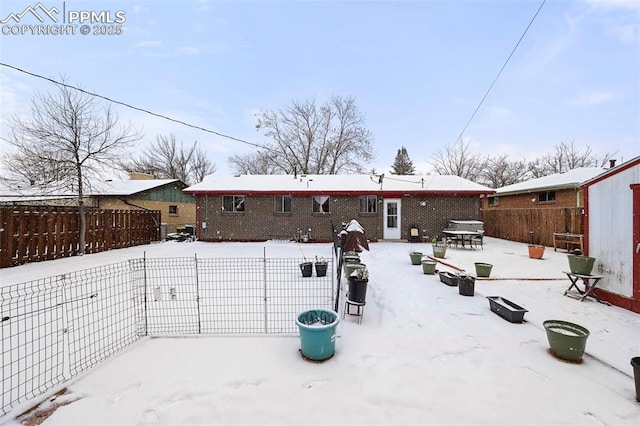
[422, 355]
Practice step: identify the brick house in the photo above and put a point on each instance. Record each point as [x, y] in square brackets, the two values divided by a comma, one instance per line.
[546, 205]
[262, 207]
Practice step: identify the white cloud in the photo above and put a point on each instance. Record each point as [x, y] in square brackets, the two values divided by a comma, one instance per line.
[592, 98]
[188, 50]
[626, 33]
[498, 112]
[615, 4]
[147, 43]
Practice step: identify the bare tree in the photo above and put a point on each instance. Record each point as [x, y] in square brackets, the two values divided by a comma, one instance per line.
[69, 139]
[254, 163]
[168, 159]
[311, 138]
[565, 157]
[458, 160]
[499, 172]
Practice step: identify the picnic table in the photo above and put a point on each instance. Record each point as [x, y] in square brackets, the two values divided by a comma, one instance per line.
[590, 283]
[461, 236]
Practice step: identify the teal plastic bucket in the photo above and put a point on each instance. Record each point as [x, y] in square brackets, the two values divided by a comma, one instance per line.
[318, 333]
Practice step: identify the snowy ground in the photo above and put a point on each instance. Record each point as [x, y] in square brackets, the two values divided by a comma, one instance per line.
[422, 355]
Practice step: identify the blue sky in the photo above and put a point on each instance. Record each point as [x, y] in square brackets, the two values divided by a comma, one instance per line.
[417, 69]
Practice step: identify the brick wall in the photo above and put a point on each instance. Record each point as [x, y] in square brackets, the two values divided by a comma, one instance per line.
[433, 217]
[564, 198]
[260, 222]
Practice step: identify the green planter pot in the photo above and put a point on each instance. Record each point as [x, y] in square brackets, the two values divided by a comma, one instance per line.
[349, 268]
[317, 333]
[483, 269]
[351, 258]
[439, 251]
[429, 267]
[581, 264]
[416, 257]
[567, 340]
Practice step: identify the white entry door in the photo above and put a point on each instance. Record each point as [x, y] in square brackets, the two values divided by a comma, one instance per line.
[391, 219]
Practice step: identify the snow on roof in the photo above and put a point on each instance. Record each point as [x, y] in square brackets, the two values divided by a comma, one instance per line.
[127, 187]
[111, 187]
[333, 183]
[571, 179]
[634, 162]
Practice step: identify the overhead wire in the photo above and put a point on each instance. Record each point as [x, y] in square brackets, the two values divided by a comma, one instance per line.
[500, 72]
[146, 111]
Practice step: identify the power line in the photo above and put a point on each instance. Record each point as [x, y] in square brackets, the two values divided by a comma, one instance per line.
[500, 72]
[138, 108]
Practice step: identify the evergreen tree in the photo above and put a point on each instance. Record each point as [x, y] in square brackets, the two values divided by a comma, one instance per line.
[403, 164]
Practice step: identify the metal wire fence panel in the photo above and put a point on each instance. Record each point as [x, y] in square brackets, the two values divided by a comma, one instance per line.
[232, 295]
[100, 314]
[172, 296]
[55, 328]
[289, 293]
[31, 340]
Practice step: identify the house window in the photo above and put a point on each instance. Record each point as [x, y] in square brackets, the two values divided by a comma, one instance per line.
[368, 204]
[173, 210]
[546, 196]
[321, 204]
[282, 203]
[494, 201]
[233, 203]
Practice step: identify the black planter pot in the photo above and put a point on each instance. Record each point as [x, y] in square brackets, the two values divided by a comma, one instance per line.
[466, 285]
[635, 362]
[321, 269]
[307, 269]
[357, 290]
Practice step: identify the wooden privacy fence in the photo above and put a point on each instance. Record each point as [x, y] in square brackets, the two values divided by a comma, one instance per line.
[515, 224]
[32, 234]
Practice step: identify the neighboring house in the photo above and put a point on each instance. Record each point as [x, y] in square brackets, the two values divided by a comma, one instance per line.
[144, 192]
[32, 196]
[262, 207]
[140, 192]
[544, 206]
[612, 232]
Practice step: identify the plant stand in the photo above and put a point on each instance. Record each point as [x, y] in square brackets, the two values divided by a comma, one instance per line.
[589, 288]
[359, 309]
